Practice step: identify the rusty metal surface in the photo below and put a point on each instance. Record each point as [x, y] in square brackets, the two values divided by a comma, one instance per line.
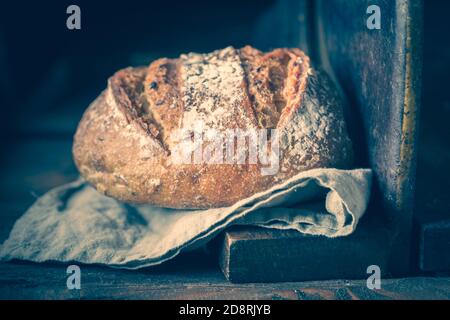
[379, 71]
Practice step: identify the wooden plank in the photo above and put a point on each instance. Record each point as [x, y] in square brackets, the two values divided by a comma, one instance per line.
[48, 281]
[264, 255]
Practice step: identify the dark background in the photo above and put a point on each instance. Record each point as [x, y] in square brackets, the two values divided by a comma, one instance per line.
[49, 75]
[48, 68]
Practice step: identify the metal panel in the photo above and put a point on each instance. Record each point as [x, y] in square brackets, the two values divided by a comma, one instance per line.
[379, 74]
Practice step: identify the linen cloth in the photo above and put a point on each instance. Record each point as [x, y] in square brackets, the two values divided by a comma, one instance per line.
[75, 223]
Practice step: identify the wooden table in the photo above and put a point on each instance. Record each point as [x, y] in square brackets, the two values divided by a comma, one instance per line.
[45, 281]
[38, 162]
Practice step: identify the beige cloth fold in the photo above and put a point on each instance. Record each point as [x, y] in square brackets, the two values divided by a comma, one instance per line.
[75, 223]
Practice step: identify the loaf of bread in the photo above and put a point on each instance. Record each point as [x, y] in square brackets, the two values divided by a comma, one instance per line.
[207, 130]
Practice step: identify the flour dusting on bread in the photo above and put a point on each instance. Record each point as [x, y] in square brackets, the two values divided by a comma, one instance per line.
[213, 91]
[124, 141]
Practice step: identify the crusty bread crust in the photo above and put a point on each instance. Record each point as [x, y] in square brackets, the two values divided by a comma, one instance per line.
[124, 142]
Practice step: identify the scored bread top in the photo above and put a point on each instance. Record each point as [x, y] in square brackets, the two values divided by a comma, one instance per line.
[225, 89]
[124, 141]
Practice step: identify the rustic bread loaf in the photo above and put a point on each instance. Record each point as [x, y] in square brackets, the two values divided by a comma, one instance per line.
[157, 133]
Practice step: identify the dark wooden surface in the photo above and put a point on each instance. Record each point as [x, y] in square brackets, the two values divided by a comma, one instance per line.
[264, 255]
[29, 281]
